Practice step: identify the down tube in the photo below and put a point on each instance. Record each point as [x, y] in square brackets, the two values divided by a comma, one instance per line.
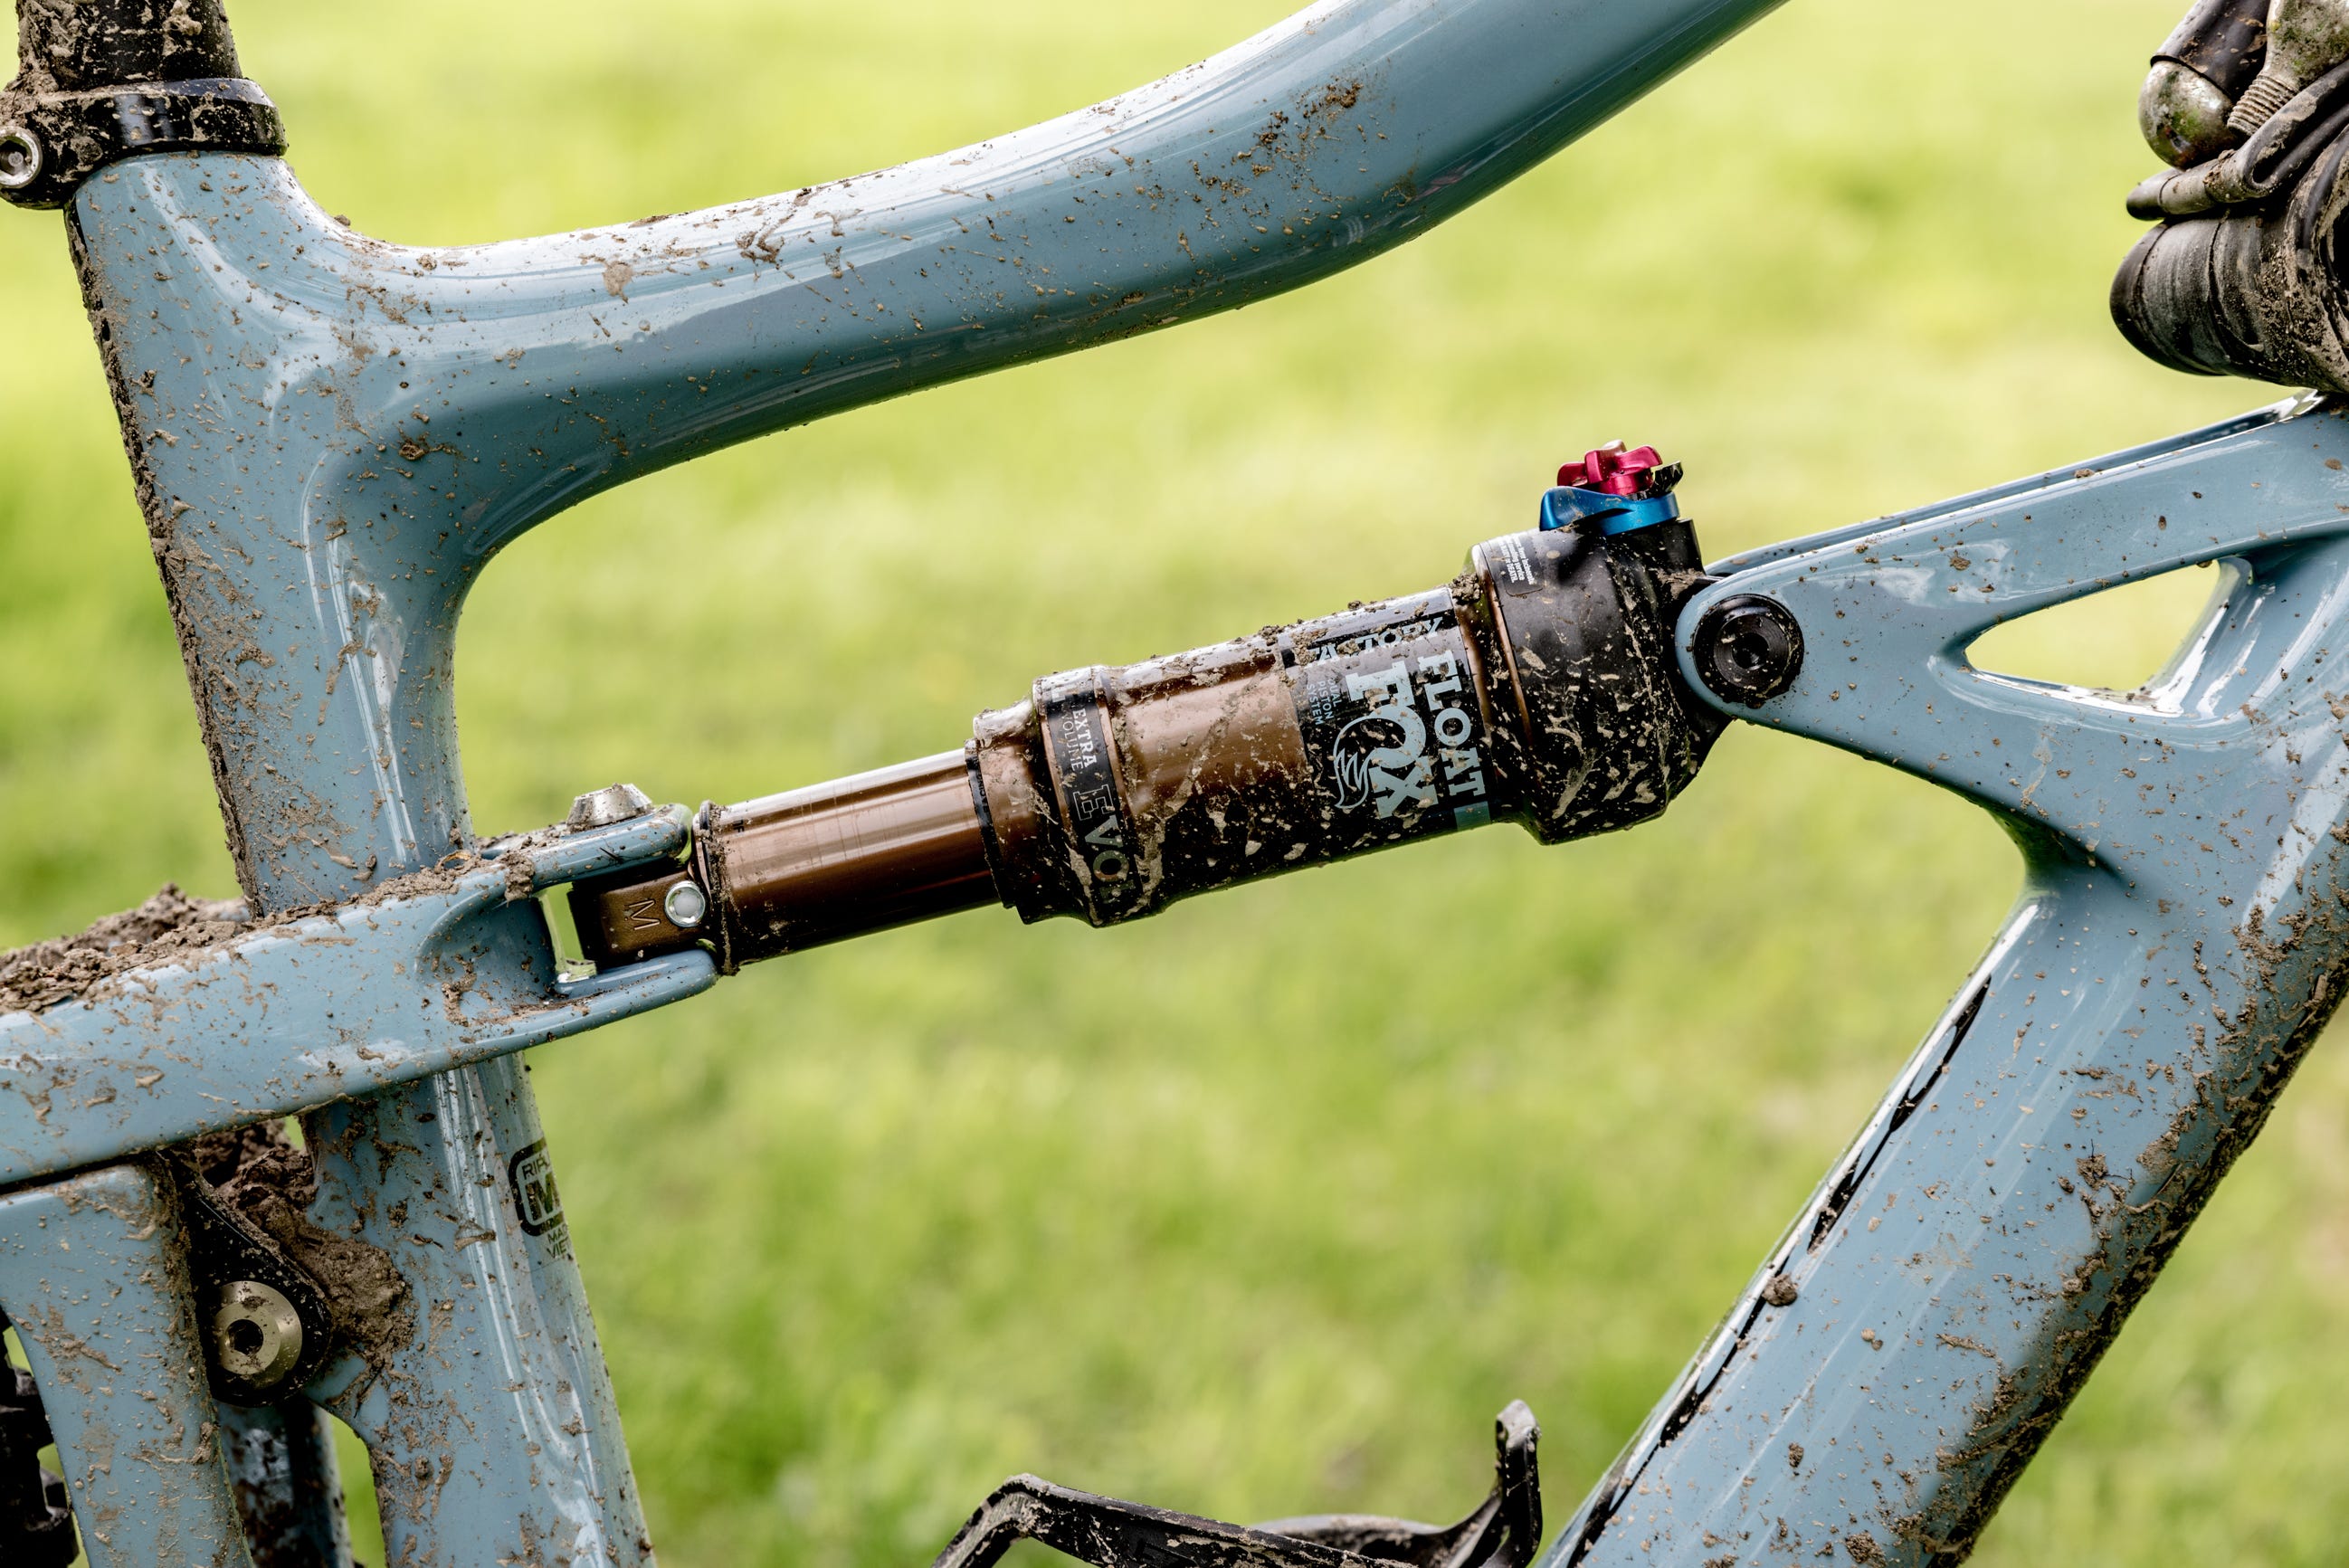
[1933, 1339]
[1900, 1358]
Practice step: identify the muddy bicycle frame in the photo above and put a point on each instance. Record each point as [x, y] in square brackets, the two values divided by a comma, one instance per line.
[331, 436]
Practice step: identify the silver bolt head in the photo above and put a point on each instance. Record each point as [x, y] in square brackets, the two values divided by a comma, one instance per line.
[686, 906]
[2183, 115]
[20, 157]
[612, 803]
[256, 1333]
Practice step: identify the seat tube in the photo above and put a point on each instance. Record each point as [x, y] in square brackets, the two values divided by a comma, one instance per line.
[495, 1423]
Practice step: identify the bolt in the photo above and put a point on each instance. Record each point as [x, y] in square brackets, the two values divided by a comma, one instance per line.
[256, 1333]
[602, 807]
[686, 906]
[1748, 649]
[20, 157]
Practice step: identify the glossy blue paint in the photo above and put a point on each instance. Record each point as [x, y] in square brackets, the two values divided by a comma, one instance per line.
[411, 982]
[512, 1440]
[2185, 908]
[93, 1275]
[333, 435]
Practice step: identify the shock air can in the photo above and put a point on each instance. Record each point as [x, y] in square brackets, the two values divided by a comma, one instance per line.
[1537, 688]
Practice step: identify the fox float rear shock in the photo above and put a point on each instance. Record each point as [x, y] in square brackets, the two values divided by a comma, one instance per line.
[1539, 686]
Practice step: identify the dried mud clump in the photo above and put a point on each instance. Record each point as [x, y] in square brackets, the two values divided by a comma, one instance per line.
[257, 1172]
[63, 969]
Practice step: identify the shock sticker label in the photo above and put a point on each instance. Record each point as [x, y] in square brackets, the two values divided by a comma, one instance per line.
[1385, 700]
[1076, 739]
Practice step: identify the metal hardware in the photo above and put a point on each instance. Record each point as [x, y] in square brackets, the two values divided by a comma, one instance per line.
[625, 920]
[1538, 687]
[106, 81]
[2244, 274]
[2305, 39]
[256, 1333]
[20, 157]
[2182, 115]
[75, 134]
[2196, 75]
[2249, 291]
[1748, 649]
[36, 1528]
[1504, 1532]
[685, 904]
[2268, 162]
[602, 807]
[228, 1252]
[1618, 472]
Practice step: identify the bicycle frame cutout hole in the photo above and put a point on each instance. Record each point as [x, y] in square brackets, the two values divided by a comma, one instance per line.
[2124, 639]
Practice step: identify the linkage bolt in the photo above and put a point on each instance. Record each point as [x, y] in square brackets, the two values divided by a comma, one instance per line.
[256, 1333]
[686, 906]
[20, 157]
[1748, 649]
[602, 807]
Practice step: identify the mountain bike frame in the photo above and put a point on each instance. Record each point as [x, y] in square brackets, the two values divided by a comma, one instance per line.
[332, 435]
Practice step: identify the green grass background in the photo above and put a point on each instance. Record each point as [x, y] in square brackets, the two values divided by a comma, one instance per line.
[1263, 1206]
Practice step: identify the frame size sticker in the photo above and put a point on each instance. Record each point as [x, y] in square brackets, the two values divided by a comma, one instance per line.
[536, 1200]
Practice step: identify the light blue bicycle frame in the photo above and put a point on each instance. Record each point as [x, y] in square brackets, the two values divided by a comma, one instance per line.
[332, 436]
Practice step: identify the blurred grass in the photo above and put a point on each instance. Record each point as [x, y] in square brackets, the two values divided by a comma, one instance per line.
[1267, 1205]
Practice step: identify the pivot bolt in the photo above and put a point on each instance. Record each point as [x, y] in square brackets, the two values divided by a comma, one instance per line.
[20, 157]
[1748, 649]
[686, 906]
[256, 1333]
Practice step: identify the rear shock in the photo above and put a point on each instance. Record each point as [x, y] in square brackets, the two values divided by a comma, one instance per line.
[1539, 687]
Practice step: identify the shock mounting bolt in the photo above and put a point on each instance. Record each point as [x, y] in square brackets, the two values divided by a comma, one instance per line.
[20, 157]
[686, 906]
[1748, 649]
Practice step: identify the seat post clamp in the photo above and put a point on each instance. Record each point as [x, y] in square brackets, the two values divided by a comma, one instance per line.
[51, 142]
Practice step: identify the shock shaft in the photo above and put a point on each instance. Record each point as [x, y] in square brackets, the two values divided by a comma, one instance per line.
[1539, 687]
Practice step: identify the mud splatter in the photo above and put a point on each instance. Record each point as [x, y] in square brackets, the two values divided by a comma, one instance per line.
[64, 968]
[257, 1172]
[172, 928]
